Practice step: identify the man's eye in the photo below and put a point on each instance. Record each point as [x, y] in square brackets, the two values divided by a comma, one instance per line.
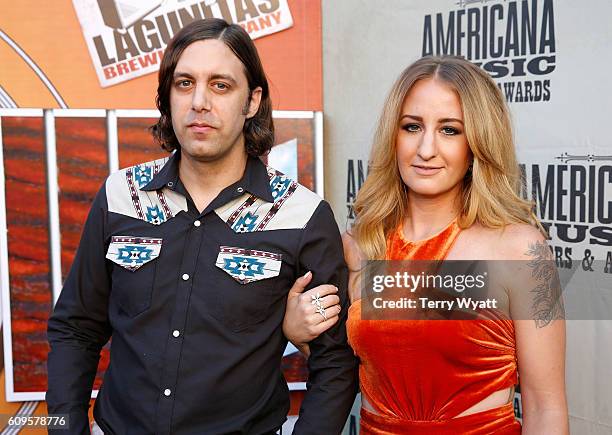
[412, 127]
[221, 86]
[450, 131]
[183, 83]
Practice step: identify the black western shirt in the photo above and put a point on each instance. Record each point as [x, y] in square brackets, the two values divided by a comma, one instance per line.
[194, 303]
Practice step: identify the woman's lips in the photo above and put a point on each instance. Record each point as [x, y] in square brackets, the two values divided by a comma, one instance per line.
[426, 170]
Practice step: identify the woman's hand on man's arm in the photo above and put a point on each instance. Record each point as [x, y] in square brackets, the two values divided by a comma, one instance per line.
[304, 321]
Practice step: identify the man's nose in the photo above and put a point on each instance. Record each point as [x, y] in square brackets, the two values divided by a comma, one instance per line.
[200, 100]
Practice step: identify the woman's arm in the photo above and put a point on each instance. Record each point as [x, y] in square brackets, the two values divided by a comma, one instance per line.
[302, 322]
[354, 260]
[541, 361]
[538, 314]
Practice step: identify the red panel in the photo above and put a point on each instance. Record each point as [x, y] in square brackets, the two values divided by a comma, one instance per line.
[303, 131]
[82, 160]
[295, 400]
[28, 245]
[136, 145]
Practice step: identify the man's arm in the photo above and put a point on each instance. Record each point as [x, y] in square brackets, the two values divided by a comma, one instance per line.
[332, 382]
[79, 327]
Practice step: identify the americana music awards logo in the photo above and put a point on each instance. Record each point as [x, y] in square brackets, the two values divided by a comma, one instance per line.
[514, 41]
[573, 203]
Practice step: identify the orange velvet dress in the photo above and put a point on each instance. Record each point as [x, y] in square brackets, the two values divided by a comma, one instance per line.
[419, 375]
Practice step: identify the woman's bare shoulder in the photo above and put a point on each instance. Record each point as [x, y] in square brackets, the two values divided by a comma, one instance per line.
[512, 242]
[521, 241]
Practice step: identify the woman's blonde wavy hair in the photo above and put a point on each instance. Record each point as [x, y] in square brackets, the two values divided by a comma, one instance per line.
[490, 193]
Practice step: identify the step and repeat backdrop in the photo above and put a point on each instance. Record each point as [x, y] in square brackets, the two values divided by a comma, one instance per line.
[551, 59]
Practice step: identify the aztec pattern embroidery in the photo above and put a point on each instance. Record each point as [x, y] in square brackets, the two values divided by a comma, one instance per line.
[248, 265]
[139, 176]
[247, 217]
[133, 252]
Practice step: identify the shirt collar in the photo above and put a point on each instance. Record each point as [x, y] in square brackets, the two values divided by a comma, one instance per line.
[167, 176]
[255, 179]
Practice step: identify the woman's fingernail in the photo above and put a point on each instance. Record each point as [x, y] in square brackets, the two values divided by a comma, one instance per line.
[307, 274]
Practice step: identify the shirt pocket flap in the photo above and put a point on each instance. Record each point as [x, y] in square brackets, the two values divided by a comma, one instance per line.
[248, 265]
[133, 252]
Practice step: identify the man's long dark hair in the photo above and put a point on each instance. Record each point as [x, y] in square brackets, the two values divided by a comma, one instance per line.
[258, 130]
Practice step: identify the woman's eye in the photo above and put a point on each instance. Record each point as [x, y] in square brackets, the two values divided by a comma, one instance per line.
[412, 127]
[450, 131]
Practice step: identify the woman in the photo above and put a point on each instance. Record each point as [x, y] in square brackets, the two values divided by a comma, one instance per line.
[443, 185]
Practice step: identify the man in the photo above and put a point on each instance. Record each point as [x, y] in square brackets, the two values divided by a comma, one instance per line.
[186, 262]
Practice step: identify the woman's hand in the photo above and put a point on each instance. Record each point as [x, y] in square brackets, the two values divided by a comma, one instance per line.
[304, 321]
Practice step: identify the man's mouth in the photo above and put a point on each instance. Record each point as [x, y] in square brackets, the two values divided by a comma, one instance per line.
[200, 127]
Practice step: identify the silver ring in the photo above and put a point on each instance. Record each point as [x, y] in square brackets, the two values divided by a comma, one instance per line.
[321, 311]
[317, 302]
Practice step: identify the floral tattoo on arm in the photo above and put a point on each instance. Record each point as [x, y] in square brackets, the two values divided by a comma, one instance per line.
[547, 301]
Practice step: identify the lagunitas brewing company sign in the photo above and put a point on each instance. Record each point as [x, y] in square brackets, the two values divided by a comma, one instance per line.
[126, 38]
[513, 40]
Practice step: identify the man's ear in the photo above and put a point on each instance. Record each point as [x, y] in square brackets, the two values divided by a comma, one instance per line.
[254, 102]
